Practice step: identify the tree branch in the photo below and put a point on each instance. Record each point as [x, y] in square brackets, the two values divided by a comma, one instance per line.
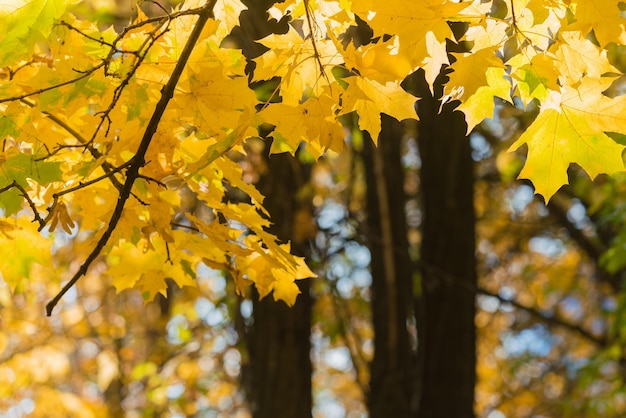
[138, 160]
[599, 340]
[549, 319]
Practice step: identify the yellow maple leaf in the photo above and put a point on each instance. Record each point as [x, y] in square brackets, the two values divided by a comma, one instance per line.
[378, 61]
[370, 98]
[22, 246]
[135, 266]
[487, 34]
[421, 26]
[470, 71]
[303, 64]
[480, 105]
[578, 57]
[571, 129]
[268, 276]
[285, 288]
[214, 101]
[227, 12]
[604, 17]
[313, 122]
[534, 77]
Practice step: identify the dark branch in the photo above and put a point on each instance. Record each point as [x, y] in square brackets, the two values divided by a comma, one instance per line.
[549, 319]
[138, 160]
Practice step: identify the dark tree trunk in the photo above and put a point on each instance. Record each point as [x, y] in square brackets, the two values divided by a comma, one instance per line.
[278, 371]
[279, 381]
[446, 330]
[392, 369]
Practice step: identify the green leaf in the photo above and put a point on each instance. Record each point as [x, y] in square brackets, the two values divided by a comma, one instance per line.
[21, 167]
[24, 24]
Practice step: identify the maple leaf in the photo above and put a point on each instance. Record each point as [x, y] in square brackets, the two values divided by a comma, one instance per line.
[136, 266]
[534, 77]
[578, 57]
[370, 98]
[481, 105]
[470, 70]
[268, 277]
[214, 100]
[303, 64]
[571, 128]
[378, 61]
[477, 78]
[25, 23]
[313, 122]
[602, 16]
[421, 26]
[227, 12]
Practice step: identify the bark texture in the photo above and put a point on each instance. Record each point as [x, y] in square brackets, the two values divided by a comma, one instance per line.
[279, 340]
[393, 365]
[447, 302]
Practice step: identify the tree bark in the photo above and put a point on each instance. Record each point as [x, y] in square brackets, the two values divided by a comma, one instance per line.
[447, 302]
[279, 340]
[392, 368]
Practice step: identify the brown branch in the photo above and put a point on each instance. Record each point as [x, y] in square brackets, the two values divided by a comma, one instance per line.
[140, 54]
[98, 40]
[138, 160]
[196, 11]
[183, 226]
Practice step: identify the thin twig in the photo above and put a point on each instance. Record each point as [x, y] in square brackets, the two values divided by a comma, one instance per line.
[318, 58]
[351, 339]
[16, 185]
[83, 184]
[107, 167]
[84, 74]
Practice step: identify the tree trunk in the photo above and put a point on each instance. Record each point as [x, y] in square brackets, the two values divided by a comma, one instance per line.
[279, 340]
[392, 368]
[446, 330]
